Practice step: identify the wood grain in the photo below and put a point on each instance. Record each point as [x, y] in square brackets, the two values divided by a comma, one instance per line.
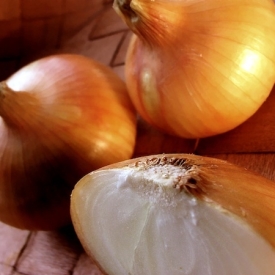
[61, 247]
[13, 240]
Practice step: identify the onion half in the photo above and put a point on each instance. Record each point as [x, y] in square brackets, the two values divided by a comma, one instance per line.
[176, 215]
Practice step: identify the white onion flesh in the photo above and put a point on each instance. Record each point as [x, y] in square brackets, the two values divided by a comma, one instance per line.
[135, 222]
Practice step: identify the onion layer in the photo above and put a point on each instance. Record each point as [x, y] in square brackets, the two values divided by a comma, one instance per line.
[60, 117]
[199, 68]
[176, 214]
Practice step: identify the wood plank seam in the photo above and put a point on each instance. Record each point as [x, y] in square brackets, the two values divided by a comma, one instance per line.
[22, 251]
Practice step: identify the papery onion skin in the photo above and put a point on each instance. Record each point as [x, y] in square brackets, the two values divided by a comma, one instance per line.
[61, 117]
[226, 187]
[199, 68]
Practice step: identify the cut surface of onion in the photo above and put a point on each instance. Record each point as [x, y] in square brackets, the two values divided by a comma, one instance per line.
[176, 214]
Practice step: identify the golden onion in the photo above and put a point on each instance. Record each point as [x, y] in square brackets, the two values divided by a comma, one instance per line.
[199, 68]
[61, 117]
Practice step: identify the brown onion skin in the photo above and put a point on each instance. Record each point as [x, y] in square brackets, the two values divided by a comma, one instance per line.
[74, 117]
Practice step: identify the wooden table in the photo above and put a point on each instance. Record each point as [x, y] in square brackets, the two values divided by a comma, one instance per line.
[251, 145]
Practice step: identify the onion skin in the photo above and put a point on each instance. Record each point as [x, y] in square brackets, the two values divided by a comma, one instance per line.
[60, 117]
[199, 68]
[218, 182]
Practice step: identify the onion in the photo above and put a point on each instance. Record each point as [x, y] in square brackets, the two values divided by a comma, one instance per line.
[61, 117]
[176, 214]
[199, 68]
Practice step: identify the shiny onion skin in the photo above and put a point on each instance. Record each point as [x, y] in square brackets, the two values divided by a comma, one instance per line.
[199, 68]
[61, 117]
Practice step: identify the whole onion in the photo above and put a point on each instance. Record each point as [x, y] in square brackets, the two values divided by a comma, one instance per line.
[199, 68]
[61, 117]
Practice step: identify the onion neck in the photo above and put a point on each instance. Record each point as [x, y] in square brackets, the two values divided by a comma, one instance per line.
[154, 22]
[124, 10]
[17, 109]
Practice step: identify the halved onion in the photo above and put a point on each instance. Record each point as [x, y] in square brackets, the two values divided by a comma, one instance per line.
[175, 215]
